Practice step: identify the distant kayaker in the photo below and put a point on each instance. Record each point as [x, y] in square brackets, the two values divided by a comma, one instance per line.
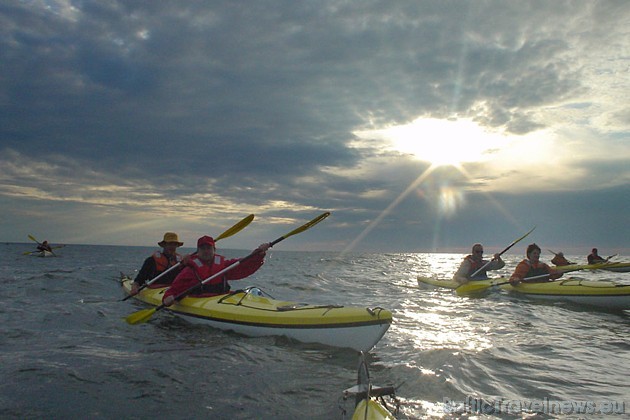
[473, 262]
[206, 263]
[159, 262]
[44, 246]
[560, 260]
[533, 267]
[594, 258]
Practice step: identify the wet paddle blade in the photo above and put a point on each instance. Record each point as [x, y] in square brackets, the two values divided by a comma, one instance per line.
[140, 316]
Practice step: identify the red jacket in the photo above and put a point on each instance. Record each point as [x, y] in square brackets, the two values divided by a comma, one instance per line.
[197, 271]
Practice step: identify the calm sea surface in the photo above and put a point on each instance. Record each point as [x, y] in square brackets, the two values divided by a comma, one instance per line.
[66, 352]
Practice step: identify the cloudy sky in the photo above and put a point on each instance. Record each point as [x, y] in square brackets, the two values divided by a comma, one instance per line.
[421, 125]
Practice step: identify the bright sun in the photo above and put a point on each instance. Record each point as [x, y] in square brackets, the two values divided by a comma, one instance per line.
[440, 142]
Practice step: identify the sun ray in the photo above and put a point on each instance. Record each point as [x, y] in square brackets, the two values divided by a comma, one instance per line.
[389, 208]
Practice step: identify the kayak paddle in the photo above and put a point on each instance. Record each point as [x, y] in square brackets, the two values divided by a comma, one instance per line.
[473, 287]
[502, 252]
[146, 314]
[231, 231]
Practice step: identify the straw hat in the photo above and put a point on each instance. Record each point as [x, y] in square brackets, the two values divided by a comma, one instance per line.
[170, 237]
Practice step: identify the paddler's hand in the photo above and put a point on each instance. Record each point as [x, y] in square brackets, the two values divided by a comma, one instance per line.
[497, 257]
[186, 259]
[134, 288]
[168, 300]
[262, 248]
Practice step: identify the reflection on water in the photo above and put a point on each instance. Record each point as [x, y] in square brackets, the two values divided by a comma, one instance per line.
[63, 338]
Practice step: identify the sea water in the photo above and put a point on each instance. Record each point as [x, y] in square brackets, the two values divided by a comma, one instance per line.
[66, 351]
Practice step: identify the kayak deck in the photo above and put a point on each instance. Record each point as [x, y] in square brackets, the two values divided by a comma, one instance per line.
[603, 294]
[448, 283]
[251, 312]
[618, 267]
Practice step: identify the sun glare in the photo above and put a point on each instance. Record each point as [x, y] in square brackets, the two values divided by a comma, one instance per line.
[440, 142]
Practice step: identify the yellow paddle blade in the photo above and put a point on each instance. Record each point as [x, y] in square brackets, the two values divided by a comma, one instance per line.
[471, 288]
[140, 316]
[308, 225]
[32, 238]
[236, 228]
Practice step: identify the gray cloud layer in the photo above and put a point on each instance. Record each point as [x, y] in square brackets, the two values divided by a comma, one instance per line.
[254, 104]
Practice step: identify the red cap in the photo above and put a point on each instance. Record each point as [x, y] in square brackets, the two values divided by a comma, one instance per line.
[205, 240]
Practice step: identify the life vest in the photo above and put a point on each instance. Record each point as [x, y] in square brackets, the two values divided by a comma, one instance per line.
[536, 271]
[163, 263]
[203, 271]
[474, 266]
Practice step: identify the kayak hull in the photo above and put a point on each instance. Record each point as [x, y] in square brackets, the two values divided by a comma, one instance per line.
[251, 313]
[43, 254]
[603, 294]
[617, 267]
[369, 409]
[449, 283]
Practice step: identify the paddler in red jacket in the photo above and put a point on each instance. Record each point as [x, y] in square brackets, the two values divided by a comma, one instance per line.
[207, 263]
[474, 262]
[533, 267]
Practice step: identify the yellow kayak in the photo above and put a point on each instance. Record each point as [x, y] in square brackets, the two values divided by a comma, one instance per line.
[617, 267]
[253, 313]
[604, 294]
[370, 401]
[447, 283]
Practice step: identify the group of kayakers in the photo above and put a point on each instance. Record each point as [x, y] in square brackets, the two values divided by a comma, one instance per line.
[531, 269]
[194, 268]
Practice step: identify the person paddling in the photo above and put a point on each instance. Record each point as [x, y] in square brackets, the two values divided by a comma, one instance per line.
[206, 263]
[44, 246]
[159, 262]
[560, 260]
[533, 267]
[595, 258]
[474, 264]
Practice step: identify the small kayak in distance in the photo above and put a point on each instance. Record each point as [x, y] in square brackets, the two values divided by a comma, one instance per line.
[253, 313]
[42, 254]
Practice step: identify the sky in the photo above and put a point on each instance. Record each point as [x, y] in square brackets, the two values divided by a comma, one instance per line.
[422, 126]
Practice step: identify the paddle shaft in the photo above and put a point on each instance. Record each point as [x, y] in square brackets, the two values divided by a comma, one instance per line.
[253, 253]
[501, 253]
[231, 231]
[471, 287]
[525, 280]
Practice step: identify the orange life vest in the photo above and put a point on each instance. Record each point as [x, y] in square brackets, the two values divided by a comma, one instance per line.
[163, 263]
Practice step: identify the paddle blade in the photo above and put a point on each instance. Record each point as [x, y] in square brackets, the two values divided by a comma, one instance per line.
[32, 238]
[308, 225]
[140, 316]
[236, 228]
[471, 288]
